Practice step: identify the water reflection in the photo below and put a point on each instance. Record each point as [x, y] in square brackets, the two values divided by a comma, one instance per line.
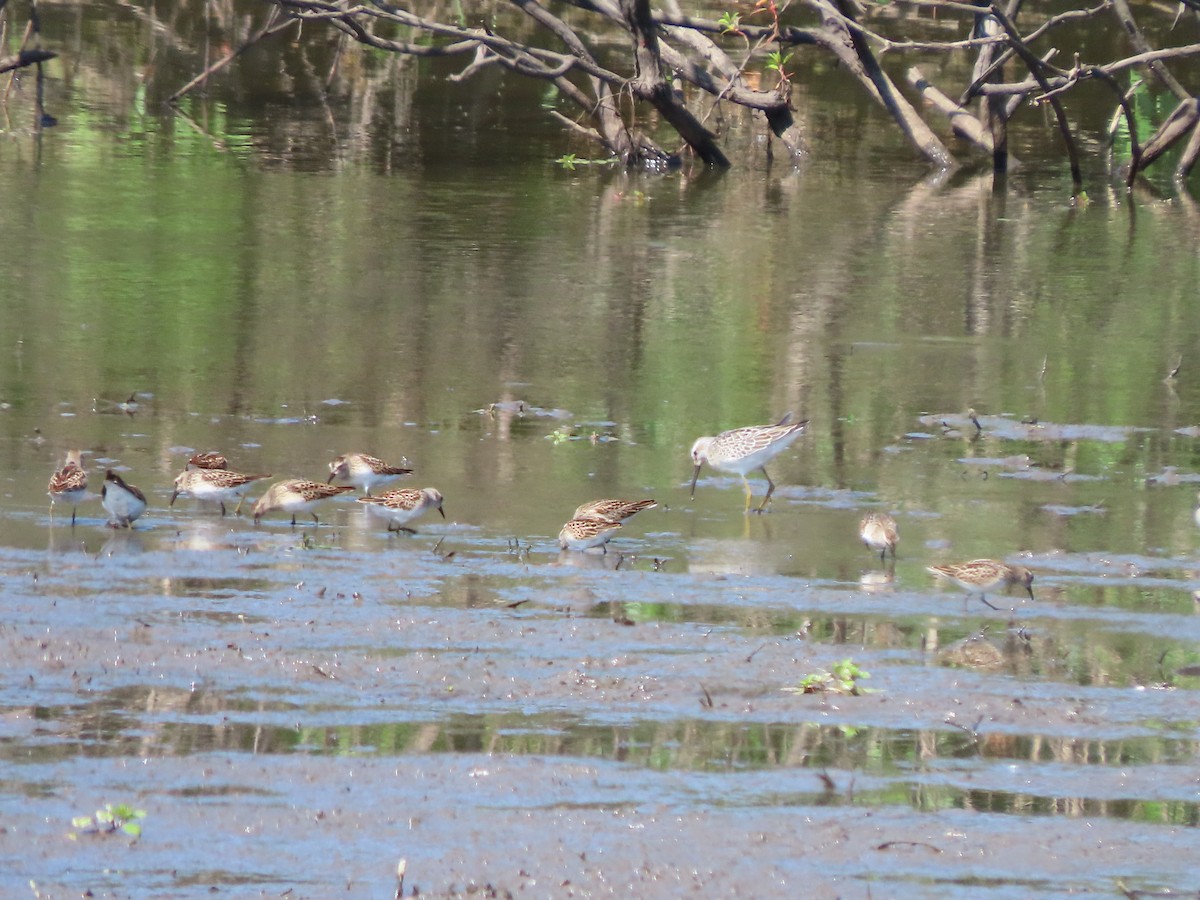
[313, 280]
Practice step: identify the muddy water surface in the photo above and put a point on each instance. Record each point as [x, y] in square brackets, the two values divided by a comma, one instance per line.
[296, 710]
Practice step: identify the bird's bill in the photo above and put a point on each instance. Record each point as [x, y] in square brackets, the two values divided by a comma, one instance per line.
[1029, 588]
[695, 478]
[174, 494]
[442, 511]
[329, 480]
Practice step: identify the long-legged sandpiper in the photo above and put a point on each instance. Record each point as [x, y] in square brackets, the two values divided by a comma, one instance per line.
[745, 450]
[404, 505]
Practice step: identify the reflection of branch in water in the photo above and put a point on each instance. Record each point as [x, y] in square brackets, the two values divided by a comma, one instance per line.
[217, 143]
[270, 29]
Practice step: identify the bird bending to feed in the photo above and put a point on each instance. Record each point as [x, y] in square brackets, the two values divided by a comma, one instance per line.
[585, 533]
[68, 484]
[981, 576]
[745, 450]
[612, 510]
[123, 501]
[878, 532]
[403, 506]
[218, 485]
[207, 459]
[364, 471]
[295, 495]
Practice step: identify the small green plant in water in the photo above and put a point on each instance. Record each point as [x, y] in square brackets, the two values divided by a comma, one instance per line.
[776, 61]
[842, 678]
[113, 818]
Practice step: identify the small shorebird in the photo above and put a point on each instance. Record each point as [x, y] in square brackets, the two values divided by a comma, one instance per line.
[364, 471]
[583, 534]
[878, 532]
[981, 576]
[295, 495]
[123, 501]
[404, 505]
[218, 485]
[613, 510]
[69, 484]
[207, 459]
[745, 450]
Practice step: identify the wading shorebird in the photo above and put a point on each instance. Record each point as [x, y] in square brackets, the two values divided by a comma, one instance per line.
[217, 485]
[612, 510]
[982, 576]
[878, 532]
[296, 495]
[364, 471]
[403, 506]
[123, 501]
[583, 534]
[69, 484]
[745, 450]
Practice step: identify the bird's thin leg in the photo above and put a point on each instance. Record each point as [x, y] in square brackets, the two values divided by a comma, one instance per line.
[72, 517]
[749, 492]
[222, 509]
[770, 489]
[988, 605]
[315, 519]
[293, 520]
[238, 511]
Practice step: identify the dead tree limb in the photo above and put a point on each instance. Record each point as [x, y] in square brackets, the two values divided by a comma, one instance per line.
[853, 52]
[1139, 43]
[25, 58]
[649, 84]
[1180, 122]
[1035, 69]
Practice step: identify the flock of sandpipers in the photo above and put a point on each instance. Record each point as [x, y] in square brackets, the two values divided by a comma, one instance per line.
[207, 476]
[740, 451]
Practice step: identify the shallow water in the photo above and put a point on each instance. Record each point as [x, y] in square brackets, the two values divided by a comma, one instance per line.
[296, 709]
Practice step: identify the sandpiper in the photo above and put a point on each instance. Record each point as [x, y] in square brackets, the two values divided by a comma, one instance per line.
[295, 495]
[744, 450]
[364, 471]
[208, 459]
[69, 484]
[612, 510]
[583, 534]
[404, 505]
[215, 484]
[123, 501]
[878, 532]
[980, 576]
